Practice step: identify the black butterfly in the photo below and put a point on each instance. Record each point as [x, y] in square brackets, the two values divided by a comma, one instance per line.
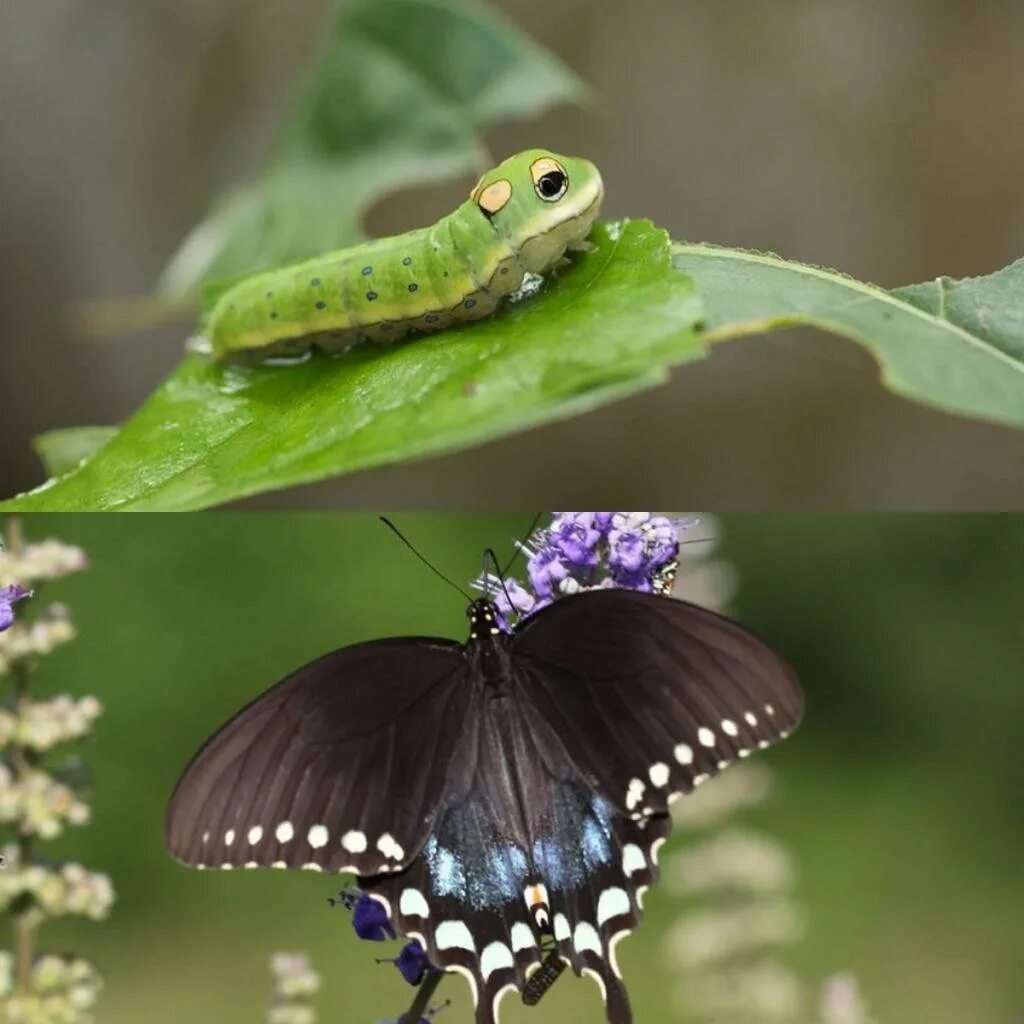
[499, 797]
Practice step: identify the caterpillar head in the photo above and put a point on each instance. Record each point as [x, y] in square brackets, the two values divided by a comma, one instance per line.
[542, 202]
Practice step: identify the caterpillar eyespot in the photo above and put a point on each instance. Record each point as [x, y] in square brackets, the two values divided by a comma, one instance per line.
[517, 223]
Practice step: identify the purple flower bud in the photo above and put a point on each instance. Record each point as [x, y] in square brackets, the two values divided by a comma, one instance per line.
[546, 569]
[412, 962]
[370, 920]
[640, 544]
[513, 598]
[576, 537]
[8, 596]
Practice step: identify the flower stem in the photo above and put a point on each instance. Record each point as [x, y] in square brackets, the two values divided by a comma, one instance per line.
[423, 996]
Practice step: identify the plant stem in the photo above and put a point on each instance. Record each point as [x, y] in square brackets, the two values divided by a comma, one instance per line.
[423, 996]
[24, 921]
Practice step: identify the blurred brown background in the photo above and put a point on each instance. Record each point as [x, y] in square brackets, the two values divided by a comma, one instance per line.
[883, 139]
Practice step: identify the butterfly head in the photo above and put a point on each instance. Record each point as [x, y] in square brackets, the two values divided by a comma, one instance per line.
[484, 619]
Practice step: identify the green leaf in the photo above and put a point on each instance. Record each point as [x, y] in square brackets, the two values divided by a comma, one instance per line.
[61, 451]
[400, 96]
[610, 325]
[955, 345]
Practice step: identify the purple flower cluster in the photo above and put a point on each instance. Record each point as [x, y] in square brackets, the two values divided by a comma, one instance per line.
[370, 921]
[8, 597]
[588, 551]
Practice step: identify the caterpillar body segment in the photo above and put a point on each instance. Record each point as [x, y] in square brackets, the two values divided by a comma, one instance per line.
[520, 218]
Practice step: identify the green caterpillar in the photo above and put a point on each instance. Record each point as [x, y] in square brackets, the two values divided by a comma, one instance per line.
[520, 218]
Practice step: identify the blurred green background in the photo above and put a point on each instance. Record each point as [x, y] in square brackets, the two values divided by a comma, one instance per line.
[874, 137]
[899, 797]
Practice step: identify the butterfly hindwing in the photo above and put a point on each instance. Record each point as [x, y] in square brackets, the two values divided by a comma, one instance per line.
[341, 766]
[651, 695]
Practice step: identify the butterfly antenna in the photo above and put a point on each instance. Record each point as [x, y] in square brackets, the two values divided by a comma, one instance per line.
[519, 547]
[433, 568]
[489, 553]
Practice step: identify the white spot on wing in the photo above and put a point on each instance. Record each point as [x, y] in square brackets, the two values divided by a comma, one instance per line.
[229, 837]
[586, 937]
[659, 774]
[729, 727]
[317, 836]
[284, 832]
[387, 845]
[496, 956]
[589, 972]
[470, 977]
[255, 834]
[699, 780]
[413, 903]
[498, 996]
[632, 859]
[769, 709]
[454, 935]
[634, 794]
[655, 848]
[612, 943]
[751, 718]
[684, 753]
[562, 929]
[311, 866]
[354, 841]
[613, 902]
[522, 937]
[706, 736]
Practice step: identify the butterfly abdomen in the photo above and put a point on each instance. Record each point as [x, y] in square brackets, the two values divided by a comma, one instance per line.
[424, 280]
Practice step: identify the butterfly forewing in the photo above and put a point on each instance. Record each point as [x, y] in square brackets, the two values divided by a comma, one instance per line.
[650, 695]
[341, 766]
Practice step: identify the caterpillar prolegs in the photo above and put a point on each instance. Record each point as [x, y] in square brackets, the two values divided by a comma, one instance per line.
[520, 218]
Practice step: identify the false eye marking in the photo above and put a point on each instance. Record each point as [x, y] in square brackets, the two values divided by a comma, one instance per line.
[454, 935]
[536, 897]
[413, 904]
[613, 902]
[494, 197]
[550, 181]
